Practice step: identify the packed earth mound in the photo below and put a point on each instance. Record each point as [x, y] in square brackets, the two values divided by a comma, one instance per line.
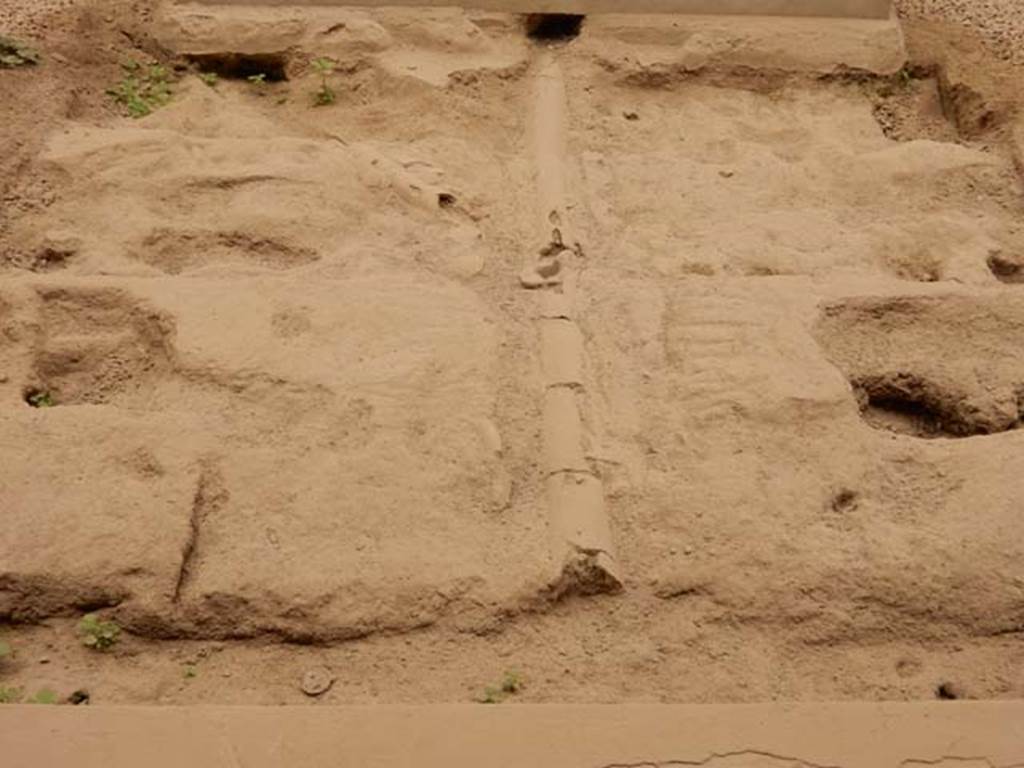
[405, 355]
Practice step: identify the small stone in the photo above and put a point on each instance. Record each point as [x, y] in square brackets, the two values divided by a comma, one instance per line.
[316, 681]
[726, 174]
[470, 263]
[548, 267]
[631, 116]
[44, 660]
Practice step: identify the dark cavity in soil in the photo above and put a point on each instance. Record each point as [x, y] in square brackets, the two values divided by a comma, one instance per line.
[1006, 268]
[553, 27]
[909, 405]
[241, 66]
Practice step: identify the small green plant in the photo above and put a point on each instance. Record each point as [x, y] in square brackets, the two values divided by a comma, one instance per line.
[491, 696]
[259, 82]
[44, 696]
[325, 95]
[40, 399]
[14, 54]
[209, 78]
[10, 695]
[98, 634]
[510, 685]
[143, 89]
[190, 671]
[14, 695]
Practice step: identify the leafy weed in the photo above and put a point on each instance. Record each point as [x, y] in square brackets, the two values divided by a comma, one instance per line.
[14, 54]
[143, 89]
[10, 695]
[98, 634]
[510, 685]
[325, 95]
[40, 399]
[44, 696]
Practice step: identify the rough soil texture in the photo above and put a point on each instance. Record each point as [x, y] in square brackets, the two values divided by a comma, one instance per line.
[647, 376]
[999, 23]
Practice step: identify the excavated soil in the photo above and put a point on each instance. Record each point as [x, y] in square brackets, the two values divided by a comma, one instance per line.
[290, 392]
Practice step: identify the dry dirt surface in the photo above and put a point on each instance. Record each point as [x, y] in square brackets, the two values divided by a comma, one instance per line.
[519, 369]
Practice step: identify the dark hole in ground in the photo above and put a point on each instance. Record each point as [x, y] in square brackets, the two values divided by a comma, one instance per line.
[446, 200]
[1005, 268]
[948, 692]
[844, 501]
[905, 415]
[79, 697]
[48, 259]
[242, 66]
[38, 398]
[553, 27]
[910, 405]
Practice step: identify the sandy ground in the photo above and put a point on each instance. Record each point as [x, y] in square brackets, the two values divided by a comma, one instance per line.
[302, 366]
[859, 735]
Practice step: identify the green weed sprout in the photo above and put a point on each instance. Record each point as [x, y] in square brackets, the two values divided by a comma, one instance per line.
[98, 634]
[510, 685]
[143, 89]
[15, 54]
[325, 95]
